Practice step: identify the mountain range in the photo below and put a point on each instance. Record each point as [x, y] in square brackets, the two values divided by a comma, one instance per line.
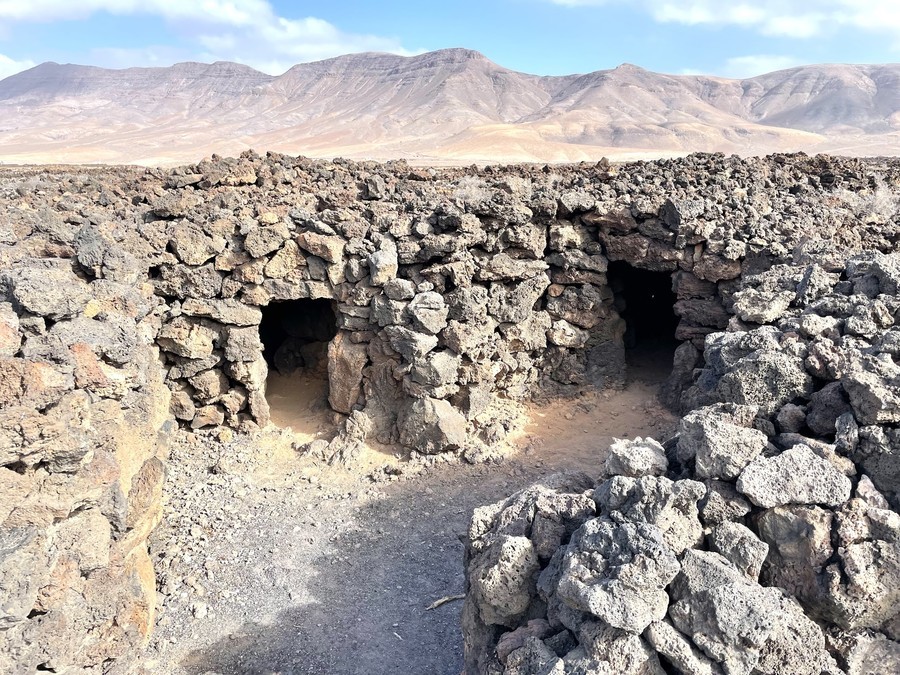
[444, 107]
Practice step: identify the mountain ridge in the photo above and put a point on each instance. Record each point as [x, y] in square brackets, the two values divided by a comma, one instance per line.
[447, 106]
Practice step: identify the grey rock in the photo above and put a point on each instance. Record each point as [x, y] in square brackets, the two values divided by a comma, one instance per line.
[56, 293]
[227, 311]
[740, 546]
[874, 391]
[564, 334]
[502, 579]
[758, 306]
[791, 418]
[670, 505]
[720, 449]
[437, 368]
[873, 654]
[825, 407]
[636, 458]
[24, 570]
[410, 344]
[428, 312]
[346, 361]
[399, 289]
[187, 338]
[383, 265]
[796, 476]
[730, 623]
[618, 573]
[512, 303]
[679, 650]
[722, 503]
[767, 379]
[265, 240]
[242, 344]
[329, 248]
[432, 426]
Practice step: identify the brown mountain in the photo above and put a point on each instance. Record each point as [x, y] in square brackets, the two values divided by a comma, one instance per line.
[444, 107]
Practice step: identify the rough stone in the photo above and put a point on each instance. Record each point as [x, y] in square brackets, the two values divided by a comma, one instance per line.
[431, 426]
[796, 476]
[720, 449]
[636, 458]
[618, 573]
[345, 372]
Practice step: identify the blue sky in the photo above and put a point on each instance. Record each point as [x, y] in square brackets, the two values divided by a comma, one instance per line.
[736, 38]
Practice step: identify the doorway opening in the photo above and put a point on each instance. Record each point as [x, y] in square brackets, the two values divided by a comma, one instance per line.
[295, 336]
[646, 301]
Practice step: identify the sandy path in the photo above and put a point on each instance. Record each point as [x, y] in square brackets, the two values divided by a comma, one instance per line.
[272, 564]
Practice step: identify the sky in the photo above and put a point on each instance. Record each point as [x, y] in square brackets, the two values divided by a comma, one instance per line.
[729, 38]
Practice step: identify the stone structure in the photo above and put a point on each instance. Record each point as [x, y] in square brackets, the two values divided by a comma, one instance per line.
[763, 538]
[445, 294]
[452, 289]
[84, 412]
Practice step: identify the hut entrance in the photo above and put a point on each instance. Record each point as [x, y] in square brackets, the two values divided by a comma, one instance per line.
[295, 336]
[646, 301]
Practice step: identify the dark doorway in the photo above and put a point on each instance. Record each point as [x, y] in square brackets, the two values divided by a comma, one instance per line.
[645, 300]
[295, 337]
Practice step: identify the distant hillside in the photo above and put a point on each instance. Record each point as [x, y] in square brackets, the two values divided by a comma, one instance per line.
[447, 106]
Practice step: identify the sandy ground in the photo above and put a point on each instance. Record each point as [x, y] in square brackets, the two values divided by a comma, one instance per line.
[270, 563]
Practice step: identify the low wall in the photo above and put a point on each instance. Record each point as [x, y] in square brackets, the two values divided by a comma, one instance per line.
[84, 412]
[132, 298]
[453, 288]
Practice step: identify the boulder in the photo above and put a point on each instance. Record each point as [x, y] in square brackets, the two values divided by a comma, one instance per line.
[720, 449]
[796, 476]
[669, 505]
[636, 458]
[346, 361]
[618, 573]
[502, 579]
[431, 426]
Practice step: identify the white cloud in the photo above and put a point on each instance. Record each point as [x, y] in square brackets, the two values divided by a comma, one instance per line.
[757, 64]
[785, 18]
[152, 55]
[10, 66]
[248, 31]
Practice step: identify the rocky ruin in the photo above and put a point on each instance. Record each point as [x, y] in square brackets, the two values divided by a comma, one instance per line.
[435, 303]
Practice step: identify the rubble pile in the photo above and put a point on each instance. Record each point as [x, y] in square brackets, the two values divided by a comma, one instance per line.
[764, 538]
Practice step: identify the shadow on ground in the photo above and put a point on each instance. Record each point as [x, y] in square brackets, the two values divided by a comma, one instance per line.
[366, 610]
[347, 593]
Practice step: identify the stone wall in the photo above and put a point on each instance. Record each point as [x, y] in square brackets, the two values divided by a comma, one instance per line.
[454, 291]
[83, 405]
[456, 288]
[764, 538]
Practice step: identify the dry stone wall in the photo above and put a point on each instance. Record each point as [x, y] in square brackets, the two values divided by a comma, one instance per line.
[456, 289]
[130, 299]
[83, 415]
[764, 538]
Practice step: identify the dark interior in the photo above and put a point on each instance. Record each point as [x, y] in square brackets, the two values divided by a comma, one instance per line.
[295, 335]
[645, 300]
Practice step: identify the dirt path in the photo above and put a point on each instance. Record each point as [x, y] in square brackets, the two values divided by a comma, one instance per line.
[270, 564]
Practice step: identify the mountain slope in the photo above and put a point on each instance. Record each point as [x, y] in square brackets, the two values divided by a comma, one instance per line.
[444, 106]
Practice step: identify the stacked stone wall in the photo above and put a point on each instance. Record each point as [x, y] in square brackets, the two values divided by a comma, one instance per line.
[455, 289]
[84, 413]
[130, 299]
